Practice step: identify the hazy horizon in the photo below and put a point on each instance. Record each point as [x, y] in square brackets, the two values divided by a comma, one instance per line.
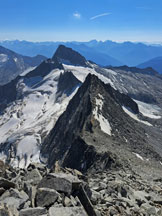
[75, 41]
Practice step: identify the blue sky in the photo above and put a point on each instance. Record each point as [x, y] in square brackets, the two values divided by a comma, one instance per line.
[81, 20]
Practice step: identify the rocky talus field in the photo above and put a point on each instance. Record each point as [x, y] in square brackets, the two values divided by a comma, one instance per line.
[38, 190]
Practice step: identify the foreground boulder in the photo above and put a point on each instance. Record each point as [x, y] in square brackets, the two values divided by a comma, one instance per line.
[6, 210]
[61, 182]
[33, 176]
[14, 198]
[46, 197]
[67, 211]
[33, 211]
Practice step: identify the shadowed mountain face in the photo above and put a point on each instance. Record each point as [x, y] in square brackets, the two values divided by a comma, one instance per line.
[155, 63]
[13, 64]
[93, 125]
[68, 56]
[66, 83]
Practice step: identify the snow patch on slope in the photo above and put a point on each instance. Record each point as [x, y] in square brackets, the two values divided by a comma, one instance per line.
[138, 156]
[134, 116]
[15, 59]
[149, 110]
[3, 58]
[104, 124]
[82, 72]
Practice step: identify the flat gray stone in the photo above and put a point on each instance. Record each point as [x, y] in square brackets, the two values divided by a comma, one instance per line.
[14, 198]
[33, 176]
[8, 210]
[61, 182]
[67, 211]
[46, 197]
[33, 212]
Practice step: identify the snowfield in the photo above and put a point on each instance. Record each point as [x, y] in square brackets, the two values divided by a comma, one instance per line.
[82, 72]
[134, 116]
[3, 58]
[24, 121]
[149, 110]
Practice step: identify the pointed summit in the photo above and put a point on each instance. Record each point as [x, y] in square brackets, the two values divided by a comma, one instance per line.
[68, 56]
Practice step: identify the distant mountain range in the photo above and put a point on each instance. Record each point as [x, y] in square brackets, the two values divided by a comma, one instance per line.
[13, 64]
[103, 53]
[155, 63]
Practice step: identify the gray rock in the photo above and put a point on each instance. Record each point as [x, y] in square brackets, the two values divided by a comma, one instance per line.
[150, 210]
[2, 190]
[74, 201]
[95, 197]
[33, 211]
[31, 191]
[67, 211]
[61, 182]
[67, 202]
[41, 167]
[8, 210]
[113, 211]
[102, 185]
[4, 212]
[33, 176]
[14, 198]
[6, 184]
[46, 197]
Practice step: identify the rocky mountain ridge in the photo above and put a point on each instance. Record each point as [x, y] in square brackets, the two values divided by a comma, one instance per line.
[92, 125]
[52, 85]
[13, 64]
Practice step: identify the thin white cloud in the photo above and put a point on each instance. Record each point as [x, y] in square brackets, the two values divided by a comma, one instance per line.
[77, 15]
[100, 15]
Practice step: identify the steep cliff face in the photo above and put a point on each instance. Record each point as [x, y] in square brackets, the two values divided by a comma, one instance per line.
[94, 129]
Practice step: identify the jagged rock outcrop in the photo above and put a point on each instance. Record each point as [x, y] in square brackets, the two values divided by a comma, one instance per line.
[44, 68]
